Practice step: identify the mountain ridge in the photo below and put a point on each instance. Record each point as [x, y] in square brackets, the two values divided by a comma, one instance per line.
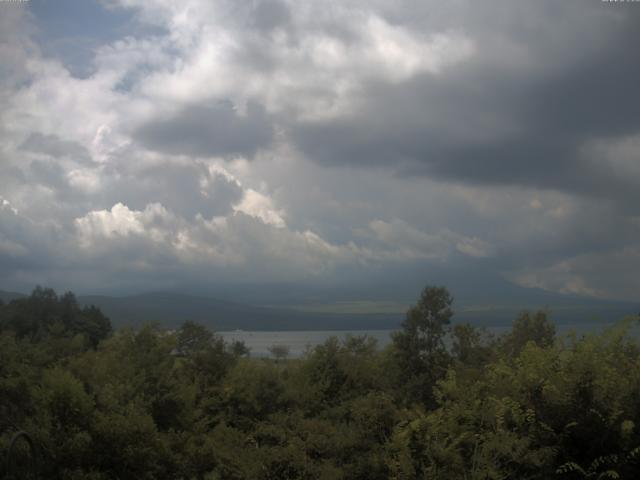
[170, 309]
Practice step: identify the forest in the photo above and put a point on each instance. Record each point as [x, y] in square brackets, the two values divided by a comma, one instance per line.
[443, 401]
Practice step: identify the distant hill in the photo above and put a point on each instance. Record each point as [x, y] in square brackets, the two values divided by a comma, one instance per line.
[171, 309]
[574, 314]
[6, 297]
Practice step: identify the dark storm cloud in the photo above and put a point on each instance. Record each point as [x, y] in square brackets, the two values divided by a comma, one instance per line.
[187, 189]
[47, 173]
[270, 14]
[25, 245]
[522, 121]
[464, 102]
[216, 129]
[56, 147]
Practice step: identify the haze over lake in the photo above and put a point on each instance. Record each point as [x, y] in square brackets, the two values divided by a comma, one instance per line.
[300, 342]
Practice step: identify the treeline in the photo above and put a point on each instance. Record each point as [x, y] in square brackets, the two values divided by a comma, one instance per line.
[441, 402]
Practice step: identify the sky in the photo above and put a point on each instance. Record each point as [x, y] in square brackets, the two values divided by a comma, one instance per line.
[355, 146]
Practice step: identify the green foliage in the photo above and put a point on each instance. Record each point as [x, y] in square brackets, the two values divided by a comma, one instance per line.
[279, 352]
[44, 315]
[252, 391]
[154, 404]
[529, 327]
[419, 347]
[239, 349]
[193, 338]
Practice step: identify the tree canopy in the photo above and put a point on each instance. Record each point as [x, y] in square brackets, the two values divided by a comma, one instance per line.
[442, 401]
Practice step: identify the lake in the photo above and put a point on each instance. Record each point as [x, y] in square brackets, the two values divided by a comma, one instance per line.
[298, 341]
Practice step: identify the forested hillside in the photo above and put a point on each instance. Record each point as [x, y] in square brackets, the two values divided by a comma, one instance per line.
[154, 404]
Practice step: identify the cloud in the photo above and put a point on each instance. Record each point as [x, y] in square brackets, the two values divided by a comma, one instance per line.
[406, 241]
[26, 245]
[256, 242]
[492, 120]
[218, 129]
[260, 206]
[53, 146]
[187, 187]
[239, 240]
[294, 141]
[612, 274]
[119, 221]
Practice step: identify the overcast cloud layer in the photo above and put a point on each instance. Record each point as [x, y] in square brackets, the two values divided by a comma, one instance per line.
[160, 144]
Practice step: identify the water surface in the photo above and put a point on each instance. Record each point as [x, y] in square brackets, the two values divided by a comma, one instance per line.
[299, 341]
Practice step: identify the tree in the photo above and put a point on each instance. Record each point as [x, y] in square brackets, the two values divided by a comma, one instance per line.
[280, 352]
[208, 357]
[419, 347]
[43, 315]
[193, 337]
[96, 326]
[529, 327]
[470, 345]
[239, 349]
